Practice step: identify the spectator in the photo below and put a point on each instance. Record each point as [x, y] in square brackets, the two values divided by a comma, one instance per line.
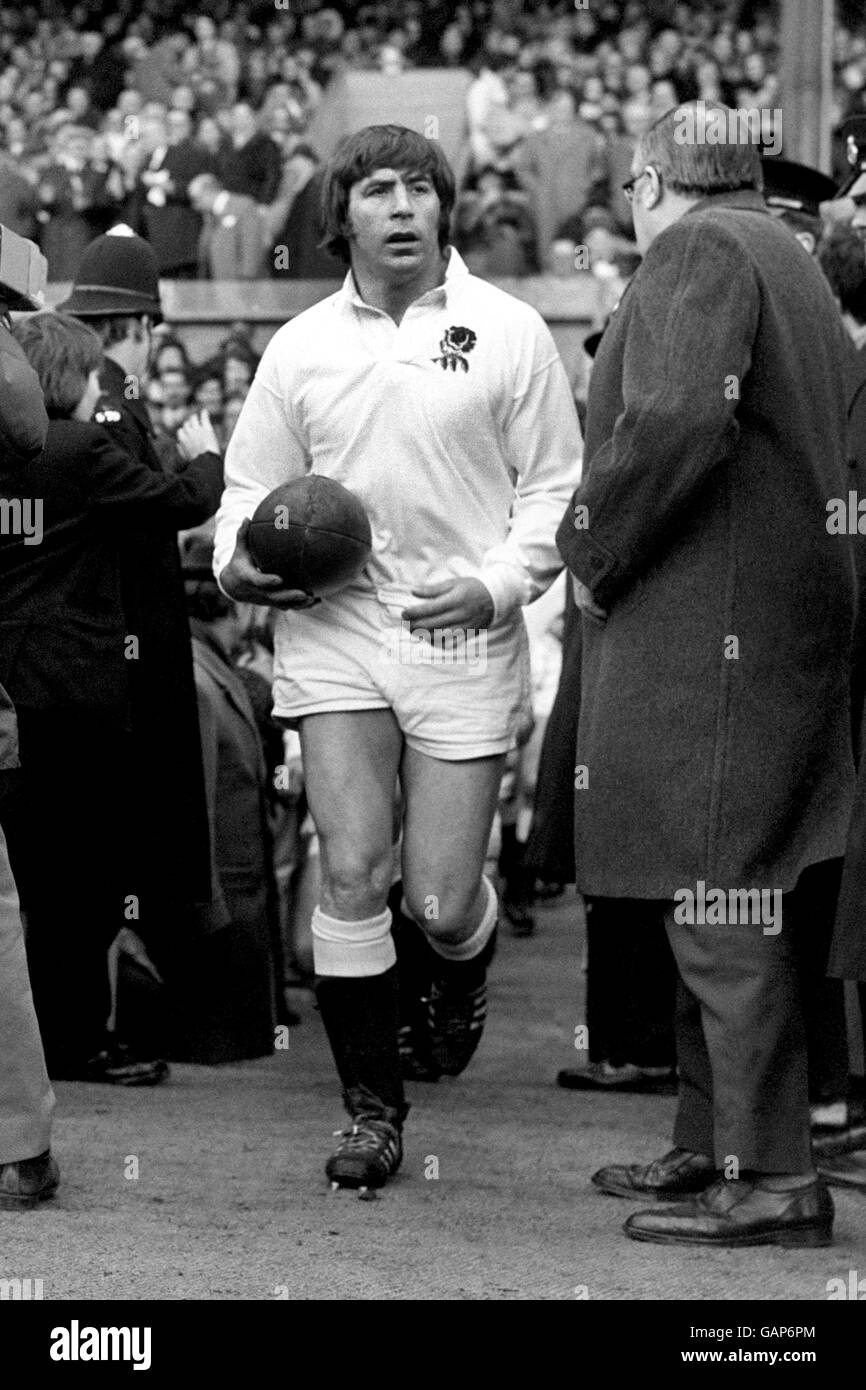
[207, 388]
[211, 64]
[19, 202]
[232, 245]
[559, 167]
[172, 224]
[63, 662]
[175, 398]
[75, 198]
[80, 108]
[168, 354]
[295, 222]
[28, 1173]
[239, 368]
[98, 69]
[166, 849]
[493, 227]
[211, 137]
[220, 983]
[486, 93]
[253, 166]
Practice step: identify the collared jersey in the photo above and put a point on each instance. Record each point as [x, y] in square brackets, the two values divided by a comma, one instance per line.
[456, 429]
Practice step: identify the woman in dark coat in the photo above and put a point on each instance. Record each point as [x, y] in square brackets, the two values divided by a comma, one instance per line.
[219, 965]
[64, 659]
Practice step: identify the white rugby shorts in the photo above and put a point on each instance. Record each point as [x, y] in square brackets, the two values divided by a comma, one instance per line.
[459, 695]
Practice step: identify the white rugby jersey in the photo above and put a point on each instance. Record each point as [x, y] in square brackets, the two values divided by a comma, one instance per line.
[456, 429]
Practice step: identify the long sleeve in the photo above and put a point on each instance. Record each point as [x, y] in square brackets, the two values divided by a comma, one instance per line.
[543, 448]
[265, 450]
[687, 353]
[118, 482]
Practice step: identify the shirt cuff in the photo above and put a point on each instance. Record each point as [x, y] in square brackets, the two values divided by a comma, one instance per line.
[508, 585]
[219, 579]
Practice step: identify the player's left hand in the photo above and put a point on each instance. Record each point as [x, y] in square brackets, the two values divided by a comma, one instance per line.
[465, 603]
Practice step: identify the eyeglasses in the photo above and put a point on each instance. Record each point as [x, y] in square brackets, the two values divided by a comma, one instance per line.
[630, 184]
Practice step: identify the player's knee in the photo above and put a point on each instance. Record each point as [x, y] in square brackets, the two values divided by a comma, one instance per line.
[356, 883]
[442, 912]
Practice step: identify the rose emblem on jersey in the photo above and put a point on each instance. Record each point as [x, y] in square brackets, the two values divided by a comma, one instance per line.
[454, 344]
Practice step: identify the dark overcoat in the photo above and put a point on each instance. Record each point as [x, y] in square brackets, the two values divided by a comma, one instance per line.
[62, 625]
[235, 1019]
[218, 967]
[169, 847]
[715, 710]
[855, 379]
[848, 953]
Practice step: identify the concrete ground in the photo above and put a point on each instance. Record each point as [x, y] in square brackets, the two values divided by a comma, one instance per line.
[212, 1186]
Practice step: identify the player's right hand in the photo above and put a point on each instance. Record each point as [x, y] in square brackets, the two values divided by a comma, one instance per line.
[243, 581]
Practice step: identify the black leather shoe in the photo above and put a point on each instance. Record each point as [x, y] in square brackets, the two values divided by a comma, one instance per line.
[628, 1079]
[679, 1173]
[117, 1066]
[738, 1212]
[28, 1182]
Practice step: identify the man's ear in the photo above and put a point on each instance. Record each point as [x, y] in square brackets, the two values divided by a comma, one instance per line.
[652, 198]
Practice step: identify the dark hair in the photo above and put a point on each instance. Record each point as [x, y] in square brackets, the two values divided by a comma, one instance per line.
[210, 371]
[507, 177]
[842, 258]
[798, 220]
[113, 328]
[171, 342]
[380, 147]
[546, 81]
[63, 352]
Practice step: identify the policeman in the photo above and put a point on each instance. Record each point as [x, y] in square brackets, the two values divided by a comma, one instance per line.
[116, 291]
[795, 193]
[849, 200]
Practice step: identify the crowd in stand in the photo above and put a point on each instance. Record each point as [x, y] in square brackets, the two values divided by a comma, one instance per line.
[195, 131]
